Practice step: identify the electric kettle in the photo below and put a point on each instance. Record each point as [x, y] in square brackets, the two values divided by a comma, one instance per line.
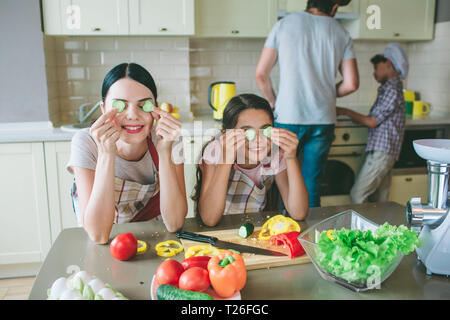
[219, 93]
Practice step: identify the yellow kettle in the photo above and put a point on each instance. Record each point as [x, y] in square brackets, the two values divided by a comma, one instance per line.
[219, 93]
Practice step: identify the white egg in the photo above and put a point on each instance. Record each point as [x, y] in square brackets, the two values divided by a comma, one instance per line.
[96, 285]
[70, 294]
[58, 287]
[107, 294]
[84, 275]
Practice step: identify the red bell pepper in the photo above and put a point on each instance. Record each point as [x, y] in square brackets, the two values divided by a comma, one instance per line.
[200, 261]
[290, 239]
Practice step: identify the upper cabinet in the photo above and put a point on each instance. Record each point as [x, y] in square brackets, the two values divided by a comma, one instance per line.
[156, 17]
[85, 17]
[379, 19]
[405, 20]
[393, 20]
[234, 18]
[118, 17]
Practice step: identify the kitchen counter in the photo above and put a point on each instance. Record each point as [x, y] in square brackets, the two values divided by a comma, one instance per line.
[205, 124]
[432, 119]
[73, 250]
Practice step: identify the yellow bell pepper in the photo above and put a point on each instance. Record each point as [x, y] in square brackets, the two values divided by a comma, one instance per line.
[276, 225]
[168, 248]
[201, 250]
[330, 234]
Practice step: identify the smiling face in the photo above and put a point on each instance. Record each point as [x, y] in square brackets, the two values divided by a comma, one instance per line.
[260, 146]
[135, 123]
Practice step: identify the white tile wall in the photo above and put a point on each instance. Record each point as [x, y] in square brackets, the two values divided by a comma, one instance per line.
[183, 68]
[430, 69]
[76, 68]
[235, 60]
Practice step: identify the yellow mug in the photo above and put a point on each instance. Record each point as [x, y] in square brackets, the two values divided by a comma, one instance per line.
[409, 95]
[420, 108]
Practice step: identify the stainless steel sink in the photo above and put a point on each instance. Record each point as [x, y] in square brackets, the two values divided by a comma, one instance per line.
[75, 126]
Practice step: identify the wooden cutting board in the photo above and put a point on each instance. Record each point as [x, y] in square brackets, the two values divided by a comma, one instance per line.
[253, 261]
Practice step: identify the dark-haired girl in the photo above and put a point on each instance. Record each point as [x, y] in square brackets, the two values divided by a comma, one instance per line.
[123, 165]
[238, 168]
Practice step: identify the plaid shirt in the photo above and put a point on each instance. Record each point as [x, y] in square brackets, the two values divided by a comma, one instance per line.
[389, 113]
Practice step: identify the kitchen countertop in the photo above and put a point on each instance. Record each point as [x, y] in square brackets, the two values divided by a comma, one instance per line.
[205, 124]
[72, 249]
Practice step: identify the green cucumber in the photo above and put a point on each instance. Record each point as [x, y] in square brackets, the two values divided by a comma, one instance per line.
[148, 106]
[267, 131]
[169, 292]
[250, 134]
[119, 105]
[246, 230]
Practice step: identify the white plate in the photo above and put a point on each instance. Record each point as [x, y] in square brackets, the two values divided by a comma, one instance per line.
[210, 291]
[433, 149]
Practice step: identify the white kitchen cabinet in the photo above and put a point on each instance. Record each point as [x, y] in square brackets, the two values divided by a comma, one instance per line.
[24, 220]
[393, 20]
[234, 18]
[85, 17]
[405, 186]
[118, 17]
[192, 146]
[156, 17]
[59, 184]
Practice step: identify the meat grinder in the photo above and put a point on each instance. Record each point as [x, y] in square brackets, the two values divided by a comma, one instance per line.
[432, 219]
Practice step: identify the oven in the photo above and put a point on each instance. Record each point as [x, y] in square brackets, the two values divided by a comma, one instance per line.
[408, 157]
[344, 162]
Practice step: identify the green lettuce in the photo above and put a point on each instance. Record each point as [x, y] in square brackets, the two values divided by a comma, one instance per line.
[355, 255]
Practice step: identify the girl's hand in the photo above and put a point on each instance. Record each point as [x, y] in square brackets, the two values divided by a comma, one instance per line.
[231, 140]
[286, 140]
[106, 132]
[167, 129]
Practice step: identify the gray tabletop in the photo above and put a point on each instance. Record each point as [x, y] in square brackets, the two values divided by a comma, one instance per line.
[73, 251]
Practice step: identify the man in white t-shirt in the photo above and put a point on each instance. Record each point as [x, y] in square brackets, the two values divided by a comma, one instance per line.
[311, 48]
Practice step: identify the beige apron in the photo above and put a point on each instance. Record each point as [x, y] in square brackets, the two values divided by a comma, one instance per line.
[244, 195]
[133, 201]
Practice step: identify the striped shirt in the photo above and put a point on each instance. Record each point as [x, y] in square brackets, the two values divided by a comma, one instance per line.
[389, 113]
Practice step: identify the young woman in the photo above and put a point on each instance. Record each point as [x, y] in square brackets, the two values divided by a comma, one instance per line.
[237, 169]
[123, 165]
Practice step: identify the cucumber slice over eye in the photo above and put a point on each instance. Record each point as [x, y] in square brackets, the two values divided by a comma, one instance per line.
[267, 131]
[250, 134]
[119, 105]
[148, 106]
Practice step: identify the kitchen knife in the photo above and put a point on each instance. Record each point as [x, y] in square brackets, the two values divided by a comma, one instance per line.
[226, 245]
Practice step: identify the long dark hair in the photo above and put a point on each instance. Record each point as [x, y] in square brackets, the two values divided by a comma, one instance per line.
[230, 117]
[129, 70]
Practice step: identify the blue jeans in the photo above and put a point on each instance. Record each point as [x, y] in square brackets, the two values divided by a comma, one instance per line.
[313, 148]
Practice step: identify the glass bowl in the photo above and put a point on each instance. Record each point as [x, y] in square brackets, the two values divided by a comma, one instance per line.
[350, 220]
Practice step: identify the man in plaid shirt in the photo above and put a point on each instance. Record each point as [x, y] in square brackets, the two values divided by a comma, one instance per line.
[386, 122]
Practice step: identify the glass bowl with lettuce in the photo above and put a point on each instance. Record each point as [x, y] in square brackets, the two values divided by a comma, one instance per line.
[355, 252]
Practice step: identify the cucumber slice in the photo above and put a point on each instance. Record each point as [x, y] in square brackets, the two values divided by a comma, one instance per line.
[250, 134]
[267, 131]
[119, 105]
[148, 106]
[246, 230]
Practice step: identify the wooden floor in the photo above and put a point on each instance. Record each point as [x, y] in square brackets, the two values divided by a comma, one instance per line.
[15, 289]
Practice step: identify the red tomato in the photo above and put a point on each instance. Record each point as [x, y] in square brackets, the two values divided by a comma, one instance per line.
[169, 272]
[124, 246]
[194, 279]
